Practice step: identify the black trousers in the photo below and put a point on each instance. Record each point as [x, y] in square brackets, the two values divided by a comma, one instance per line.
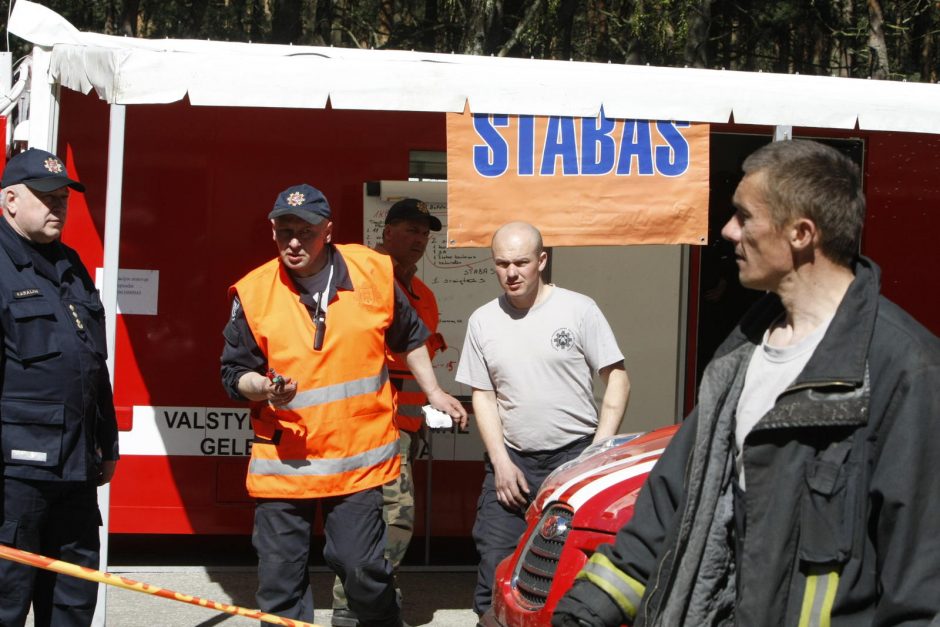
[497, 529]
[58, 519]
[355, 551]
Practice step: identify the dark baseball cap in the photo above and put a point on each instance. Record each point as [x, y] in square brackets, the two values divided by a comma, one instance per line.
[38, 170]
[303, 201]
[412, 209]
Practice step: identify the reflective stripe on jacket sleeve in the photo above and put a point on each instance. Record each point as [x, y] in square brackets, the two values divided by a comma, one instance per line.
[625, 591]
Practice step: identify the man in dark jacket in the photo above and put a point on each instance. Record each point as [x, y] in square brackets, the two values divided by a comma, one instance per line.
[57, 419]
[803, 489]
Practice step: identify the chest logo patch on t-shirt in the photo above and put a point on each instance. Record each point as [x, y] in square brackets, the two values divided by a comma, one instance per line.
[562, 339]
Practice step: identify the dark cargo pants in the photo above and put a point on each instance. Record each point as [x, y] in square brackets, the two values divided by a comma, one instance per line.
[399, 514]
[58, 519]
[355, 545]
[497, 529]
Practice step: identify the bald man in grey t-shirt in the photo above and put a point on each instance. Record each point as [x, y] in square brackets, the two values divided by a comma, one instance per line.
[530, 356]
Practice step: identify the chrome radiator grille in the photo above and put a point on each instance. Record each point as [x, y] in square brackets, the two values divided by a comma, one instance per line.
[536, 569]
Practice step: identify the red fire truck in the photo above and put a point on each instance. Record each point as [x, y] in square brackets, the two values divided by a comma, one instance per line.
[579, 507]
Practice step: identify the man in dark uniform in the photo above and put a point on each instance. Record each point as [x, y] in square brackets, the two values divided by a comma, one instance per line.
[57, 421]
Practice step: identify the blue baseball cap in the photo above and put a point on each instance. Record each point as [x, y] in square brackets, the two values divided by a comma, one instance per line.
[303, 201]
[38, 170]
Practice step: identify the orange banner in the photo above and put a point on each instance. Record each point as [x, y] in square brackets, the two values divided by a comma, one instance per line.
[581, 181]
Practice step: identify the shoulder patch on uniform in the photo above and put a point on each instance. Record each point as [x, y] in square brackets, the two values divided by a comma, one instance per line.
[27, 293]
[236, 306]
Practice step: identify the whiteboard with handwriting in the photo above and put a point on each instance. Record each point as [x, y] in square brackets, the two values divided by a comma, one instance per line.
[462, 279]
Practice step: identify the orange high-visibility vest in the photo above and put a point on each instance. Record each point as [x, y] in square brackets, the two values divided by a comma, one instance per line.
[408, 396]
[337, 435]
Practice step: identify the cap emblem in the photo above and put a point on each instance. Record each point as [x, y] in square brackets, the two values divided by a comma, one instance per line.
[422, 207]
[295, 199]
[53, 165]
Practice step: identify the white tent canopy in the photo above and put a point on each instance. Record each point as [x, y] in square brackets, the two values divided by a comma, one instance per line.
[138, 71]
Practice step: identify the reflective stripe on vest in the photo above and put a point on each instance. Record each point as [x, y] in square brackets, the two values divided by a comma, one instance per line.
[337, 392]
[412, 411]
[623, 589]
[411, 399]
[818, 598]
[319, 467]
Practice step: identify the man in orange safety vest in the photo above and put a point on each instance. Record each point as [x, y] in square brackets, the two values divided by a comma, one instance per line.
[306, 345]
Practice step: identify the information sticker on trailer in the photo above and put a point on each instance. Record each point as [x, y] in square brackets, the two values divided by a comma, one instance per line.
[199, 431]
[137, 290]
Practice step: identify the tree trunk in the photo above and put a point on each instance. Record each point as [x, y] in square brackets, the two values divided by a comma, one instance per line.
[733, 48]
[878, 65]
[337, 21]
[475, 27]
[597, 15]
[387, 19]
[530, 14]
[429, 39]
[840, 52]
[635, 53]
[566, 11]
[197, 17]
[482, 18]
[130, 9]
[782, 63]
[696, 43]
[320, 21]
[923, 45]
[286, 22]
[255, 19]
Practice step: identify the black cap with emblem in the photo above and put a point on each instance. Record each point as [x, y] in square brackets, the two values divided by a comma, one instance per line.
[412, 209]
[38, 170]
[303, 201]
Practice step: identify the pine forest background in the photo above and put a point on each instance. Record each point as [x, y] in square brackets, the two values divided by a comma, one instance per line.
[883, 39]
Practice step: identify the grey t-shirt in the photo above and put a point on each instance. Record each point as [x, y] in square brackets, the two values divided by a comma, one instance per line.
[771, 371]
[540, 362]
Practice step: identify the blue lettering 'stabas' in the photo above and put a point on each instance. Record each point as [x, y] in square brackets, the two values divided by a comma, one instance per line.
[492, 158]
[672, 160]
[560, 143]
[596, 150]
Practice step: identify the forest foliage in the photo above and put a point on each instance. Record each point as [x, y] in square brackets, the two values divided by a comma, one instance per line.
[888, 39]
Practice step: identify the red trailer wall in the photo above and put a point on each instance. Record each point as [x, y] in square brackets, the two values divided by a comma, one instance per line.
[198, 184]
[903, 192]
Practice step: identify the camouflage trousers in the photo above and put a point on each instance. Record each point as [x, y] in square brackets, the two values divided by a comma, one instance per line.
[398, 510]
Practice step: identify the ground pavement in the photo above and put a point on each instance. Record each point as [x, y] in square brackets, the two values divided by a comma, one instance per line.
[436, 596]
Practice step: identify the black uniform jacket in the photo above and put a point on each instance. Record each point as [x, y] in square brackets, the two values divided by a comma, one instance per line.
[56, 409]
[871, 391]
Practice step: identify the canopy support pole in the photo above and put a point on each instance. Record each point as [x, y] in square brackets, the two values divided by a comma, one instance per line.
[109, 291]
